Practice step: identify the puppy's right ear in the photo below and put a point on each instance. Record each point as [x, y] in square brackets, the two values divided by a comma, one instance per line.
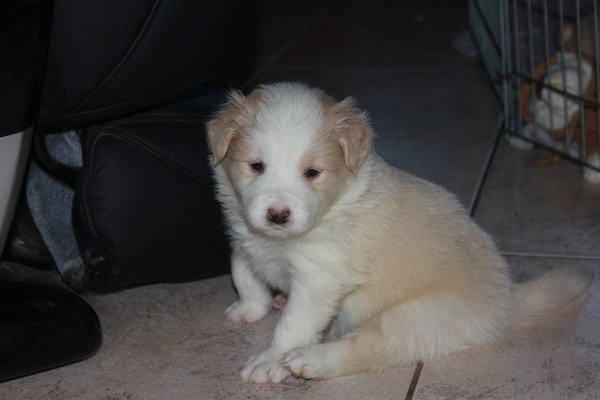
[226, 124]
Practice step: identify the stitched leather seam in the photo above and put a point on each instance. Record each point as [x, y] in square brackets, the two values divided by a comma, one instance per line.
[160, 155]
[71, 114]
[87, 218]
[167, 117]
[140, 38]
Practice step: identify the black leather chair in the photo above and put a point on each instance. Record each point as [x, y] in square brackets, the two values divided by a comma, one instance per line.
[134, 81]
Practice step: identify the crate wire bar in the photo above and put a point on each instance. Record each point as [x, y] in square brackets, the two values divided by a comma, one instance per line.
[541, 56]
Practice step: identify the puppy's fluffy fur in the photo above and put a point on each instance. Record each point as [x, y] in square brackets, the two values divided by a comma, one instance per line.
[388, 266]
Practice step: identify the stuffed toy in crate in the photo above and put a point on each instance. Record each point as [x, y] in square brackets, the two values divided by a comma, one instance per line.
[557, 120]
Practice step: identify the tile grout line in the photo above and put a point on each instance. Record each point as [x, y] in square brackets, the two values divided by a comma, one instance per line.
[414, 381]
[286, 48]
[550, 255]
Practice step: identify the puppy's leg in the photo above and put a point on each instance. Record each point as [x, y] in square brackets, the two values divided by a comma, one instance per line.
[255, 299]
[368, 349]
[310, 307]
[355, 311]
[412, 331]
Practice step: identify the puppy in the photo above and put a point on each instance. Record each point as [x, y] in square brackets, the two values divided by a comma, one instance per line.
[389, 266]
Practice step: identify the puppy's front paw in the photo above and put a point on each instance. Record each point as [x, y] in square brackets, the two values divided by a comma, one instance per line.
[246, 311]
[280, 301]
[302, 363]
[312, 362]
[264, 368]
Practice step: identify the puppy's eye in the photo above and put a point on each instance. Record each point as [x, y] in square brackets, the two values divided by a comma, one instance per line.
[257, 167]
[311, 173]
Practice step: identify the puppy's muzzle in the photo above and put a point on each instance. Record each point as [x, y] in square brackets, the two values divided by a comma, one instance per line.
[278, 216]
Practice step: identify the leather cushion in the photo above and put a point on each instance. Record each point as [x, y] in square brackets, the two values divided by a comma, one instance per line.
[111, 58]
[144, 209]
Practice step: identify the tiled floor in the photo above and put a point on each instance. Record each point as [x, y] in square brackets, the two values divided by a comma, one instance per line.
[435, 116]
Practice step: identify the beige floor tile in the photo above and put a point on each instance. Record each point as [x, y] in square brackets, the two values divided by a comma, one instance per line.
[172, 342]
[530, 206]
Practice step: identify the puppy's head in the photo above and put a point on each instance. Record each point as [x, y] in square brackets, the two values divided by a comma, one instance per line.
[289, 152]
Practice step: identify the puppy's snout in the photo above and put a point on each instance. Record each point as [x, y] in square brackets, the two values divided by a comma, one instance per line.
[278, 216]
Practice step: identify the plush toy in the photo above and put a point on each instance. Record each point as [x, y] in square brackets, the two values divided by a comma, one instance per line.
[560, 117]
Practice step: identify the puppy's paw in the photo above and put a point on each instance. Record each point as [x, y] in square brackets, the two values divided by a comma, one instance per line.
[246, 311]
[264, 368]
[280, 301]
[312, 362]
[303, 363]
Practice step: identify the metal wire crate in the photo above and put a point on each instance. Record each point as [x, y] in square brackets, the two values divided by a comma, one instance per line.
[542, 57]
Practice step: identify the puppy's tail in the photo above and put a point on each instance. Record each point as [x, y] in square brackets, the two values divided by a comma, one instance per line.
[549, 292]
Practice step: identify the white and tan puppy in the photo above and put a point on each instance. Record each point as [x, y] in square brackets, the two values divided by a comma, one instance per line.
[389, 267]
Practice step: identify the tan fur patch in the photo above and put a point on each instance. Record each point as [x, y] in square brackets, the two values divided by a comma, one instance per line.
[231, 120]
[326, 155]
[351, 125]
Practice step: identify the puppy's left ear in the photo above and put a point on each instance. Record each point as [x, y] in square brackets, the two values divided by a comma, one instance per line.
[227, 123]
[355, 134]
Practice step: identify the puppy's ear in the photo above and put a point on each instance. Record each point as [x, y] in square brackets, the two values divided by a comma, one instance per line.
[227, 123]
[355, 134]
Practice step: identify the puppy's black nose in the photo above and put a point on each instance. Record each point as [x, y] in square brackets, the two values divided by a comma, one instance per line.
[278, 216]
